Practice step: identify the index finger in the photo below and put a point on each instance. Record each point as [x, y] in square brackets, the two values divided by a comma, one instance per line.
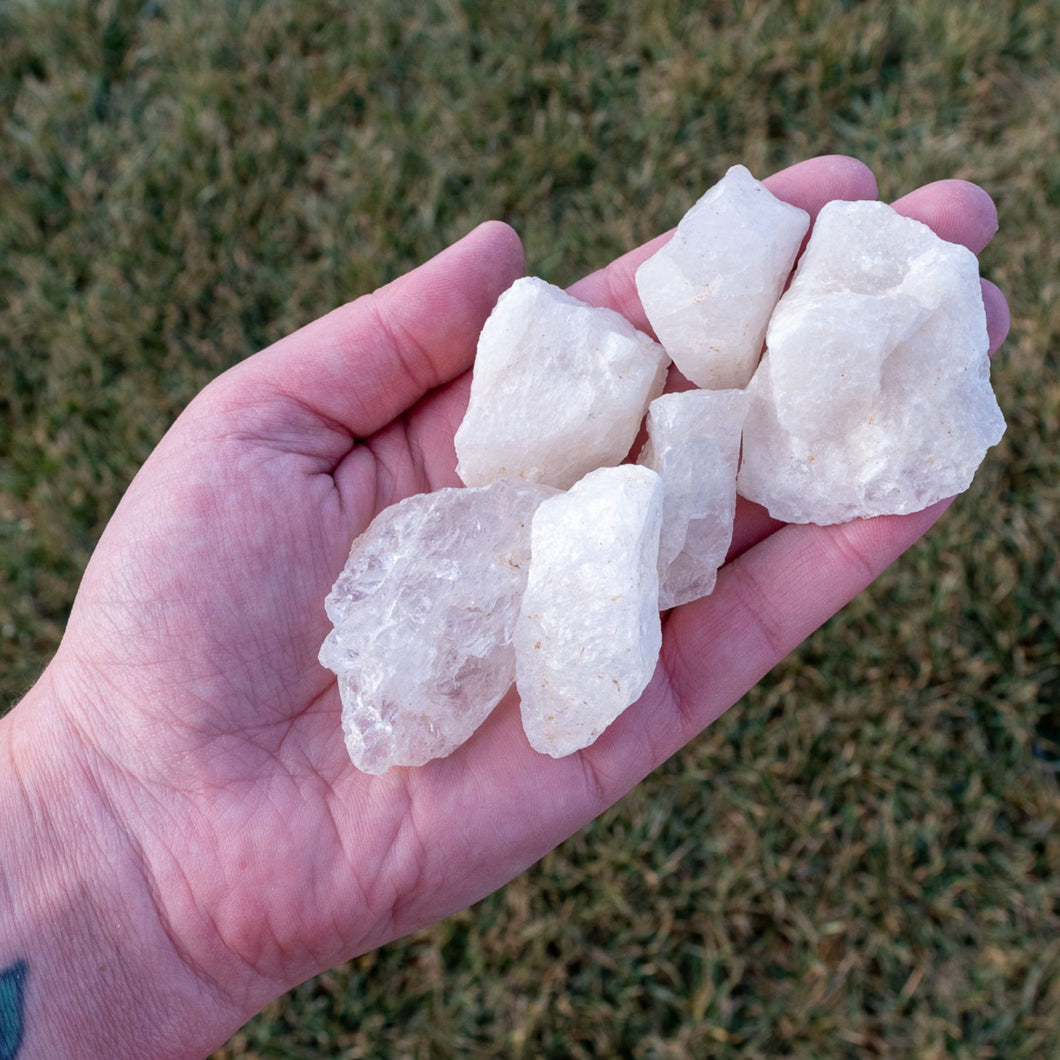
[808, 185]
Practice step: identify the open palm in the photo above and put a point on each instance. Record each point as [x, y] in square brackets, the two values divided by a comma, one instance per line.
[189, 666]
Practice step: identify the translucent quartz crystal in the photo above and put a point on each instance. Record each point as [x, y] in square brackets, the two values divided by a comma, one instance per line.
[874, 395]
[423, 615]
[694, 445]
[559, 388]
[710, 290]
[588, 635]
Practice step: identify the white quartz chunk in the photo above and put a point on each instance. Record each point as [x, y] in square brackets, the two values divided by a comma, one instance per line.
[710, 290]
[423, 615]
[588, 635]
[874, 395]
[694, 445]
[559, 388]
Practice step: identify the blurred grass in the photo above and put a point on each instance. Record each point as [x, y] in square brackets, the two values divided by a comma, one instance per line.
[862, 859]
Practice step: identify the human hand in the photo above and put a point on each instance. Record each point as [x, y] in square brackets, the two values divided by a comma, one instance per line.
[187, 721]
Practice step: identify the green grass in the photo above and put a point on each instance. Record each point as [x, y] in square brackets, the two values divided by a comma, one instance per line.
[862, 858]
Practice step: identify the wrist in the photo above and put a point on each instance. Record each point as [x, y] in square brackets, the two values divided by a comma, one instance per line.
[103, 973]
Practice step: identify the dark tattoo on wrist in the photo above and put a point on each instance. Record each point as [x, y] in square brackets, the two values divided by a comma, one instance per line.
[12, 984]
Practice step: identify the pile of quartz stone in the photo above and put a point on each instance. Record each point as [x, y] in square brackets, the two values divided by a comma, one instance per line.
[550, 569]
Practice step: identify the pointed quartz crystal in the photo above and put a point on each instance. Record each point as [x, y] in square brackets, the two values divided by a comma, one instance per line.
[559, 388]
[694, 445]
[874, 395]
[423, 614]
[588, 635]
[709, 292]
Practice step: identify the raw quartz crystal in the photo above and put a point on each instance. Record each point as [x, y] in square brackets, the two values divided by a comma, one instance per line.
[559, 388]
[709, 292]
[694, 445]
[873, 397]
[874, 394]
[423, 614]
[588, 634]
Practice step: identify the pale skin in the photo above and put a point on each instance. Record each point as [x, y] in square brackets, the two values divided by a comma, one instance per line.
[184, 837]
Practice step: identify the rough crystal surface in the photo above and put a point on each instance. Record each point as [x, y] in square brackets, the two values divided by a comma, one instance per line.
[694, 445]
[710, 290]
[588, 634]
[559, 388]
[423, 614]
[874, 394]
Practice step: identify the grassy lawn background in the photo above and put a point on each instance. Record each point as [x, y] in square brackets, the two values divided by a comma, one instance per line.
[860, 859]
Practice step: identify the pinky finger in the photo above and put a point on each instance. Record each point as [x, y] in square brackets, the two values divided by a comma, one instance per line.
[997, 314]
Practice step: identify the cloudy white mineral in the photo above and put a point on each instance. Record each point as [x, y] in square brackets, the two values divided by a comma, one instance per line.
[423, 614]
[559, 388]
[694, 445]
[874, 395]
[588, 635]
[709, 291]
